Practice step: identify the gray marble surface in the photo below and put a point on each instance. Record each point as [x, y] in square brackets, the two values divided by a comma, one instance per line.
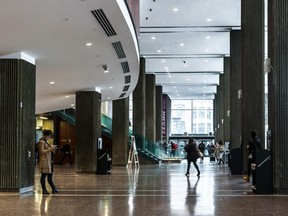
[151, 191]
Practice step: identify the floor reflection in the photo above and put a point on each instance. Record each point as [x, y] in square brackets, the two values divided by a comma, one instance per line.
[133, 181]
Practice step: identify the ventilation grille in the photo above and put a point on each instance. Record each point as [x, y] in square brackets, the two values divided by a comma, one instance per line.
[125, 67]
[126, 88]
[127, 79]
[104, 22]
[119, 50]
[122, 95]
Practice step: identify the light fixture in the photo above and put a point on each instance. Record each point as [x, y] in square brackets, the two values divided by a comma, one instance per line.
[52, 83]
[206, 60]
[209, 19]
[106, 68]
[163, 61]
[153, 38]
[182, 44]
[72, 105]
[159, 51]
[169, 76]
[185, 65]
[207, 50]
[172, 82]
[175, 9]
[208, 37]
[43, 117]
[67, 96]
[108, 98]
[190, 89]
[88, 44]
[188, 79]
[174, 87]
[110, 87]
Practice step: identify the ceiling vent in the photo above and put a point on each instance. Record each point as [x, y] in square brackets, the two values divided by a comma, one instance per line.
[104, 22]
[122, 95]
[125, 67]
[119, 50]
[126, 88]
[127, 79]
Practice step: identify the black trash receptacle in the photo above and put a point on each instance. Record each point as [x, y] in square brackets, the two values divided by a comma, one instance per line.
[236, 161]
[264, 178]
[102, 162]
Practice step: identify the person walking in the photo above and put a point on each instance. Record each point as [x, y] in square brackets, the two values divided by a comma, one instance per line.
[192, 156]
[66, 149]
[46, 152]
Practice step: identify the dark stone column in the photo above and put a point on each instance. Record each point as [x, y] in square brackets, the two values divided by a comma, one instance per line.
[120, 131]
[166, 117]
[214, 117]
[221, 107]
[217, 114]
[139, 101]
[278, 91]
[150, 108]
[235, 86]
[17, 125]
[226, 99]
[252, 25]
[88, 129]
[159, 103]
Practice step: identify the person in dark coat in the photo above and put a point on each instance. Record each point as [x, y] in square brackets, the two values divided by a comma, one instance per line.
[192, 156]
[253, 146]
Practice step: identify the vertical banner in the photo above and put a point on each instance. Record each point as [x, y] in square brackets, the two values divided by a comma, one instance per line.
[164, 115]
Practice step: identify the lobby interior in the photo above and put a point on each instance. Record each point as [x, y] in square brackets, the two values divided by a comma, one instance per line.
[117, 79]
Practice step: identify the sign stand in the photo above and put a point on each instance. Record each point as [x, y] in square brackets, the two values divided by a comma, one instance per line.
[133, 154]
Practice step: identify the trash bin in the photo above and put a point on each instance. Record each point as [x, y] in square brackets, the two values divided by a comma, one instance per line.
[235, 159]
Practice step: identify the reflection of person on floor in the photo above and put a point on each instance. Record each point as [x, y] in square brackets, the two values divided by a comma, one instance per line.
[67, 152]
[192, 155]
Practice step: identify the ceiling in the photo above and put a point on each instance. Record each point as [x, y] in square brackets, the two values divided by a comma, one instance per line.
[184, 43]
[56, 33]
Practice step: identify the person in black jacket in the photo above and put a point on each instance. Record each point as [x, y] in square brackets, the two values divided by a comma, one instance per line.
[253, 146]
[192, 156]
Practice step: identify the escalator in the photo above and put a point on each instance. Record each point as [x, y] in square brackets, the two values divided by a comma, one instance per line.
[150, 153]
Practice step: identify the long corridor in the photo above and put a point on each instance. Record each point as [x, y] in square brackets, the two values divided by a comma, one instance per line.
[153, 190]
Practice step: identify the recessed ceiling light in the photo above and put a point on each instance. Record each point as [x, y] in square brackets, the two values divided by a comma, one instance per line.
[88, 44]
[176, 91]
[163, 61]
[182, 44]
[52, 83]
[172, 82]
[174, 87]
[153, 38]
[206, 60]
[67, 96]
[169, 76]
[110, 87]
[72, 105]
[185, 65]
[159, 51]
[209, 19]
[190, 89]
[208, 37]
[105, 68]
[108, 98]
[175, 9]
[207, 50]
[188, 79]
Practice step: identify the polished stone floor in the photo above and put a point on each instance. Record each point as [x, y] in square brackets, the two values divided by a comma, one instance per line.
[153, 190]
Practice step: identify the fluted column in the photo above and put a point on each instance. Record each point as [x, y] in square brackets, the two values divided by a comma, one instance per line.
[235, 86]
[278, 91]
[252, 27]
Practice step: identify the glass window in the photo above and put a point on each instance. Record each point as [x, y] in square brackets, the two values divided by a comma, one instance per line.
[201, 114]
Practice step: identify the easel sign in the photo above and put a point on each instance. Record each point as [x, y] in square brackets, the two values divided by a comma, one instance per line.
[133, 154]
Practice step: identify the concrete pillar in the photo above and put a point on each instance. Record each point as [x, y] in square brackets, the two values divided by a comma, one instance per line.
[150, 108]
[278, 91]
[17, 125]
[166, 117]
[88, 129]
[120, 131]
[252, 28]
[139, 101]
[235, 86]
[226, 99]
[159, 104]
